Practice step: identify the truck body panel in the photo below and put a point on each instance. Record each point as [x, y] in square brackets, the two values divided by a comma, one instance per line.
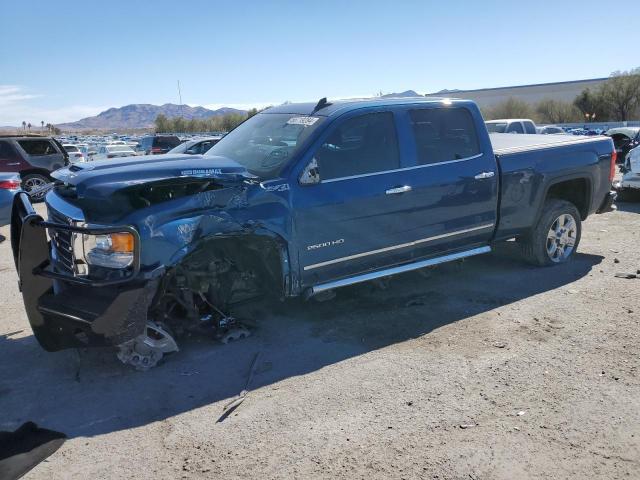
[426, 184]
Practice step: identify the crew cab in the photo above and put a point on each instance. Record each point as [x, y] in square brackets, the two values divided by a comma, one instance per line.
[298, 200]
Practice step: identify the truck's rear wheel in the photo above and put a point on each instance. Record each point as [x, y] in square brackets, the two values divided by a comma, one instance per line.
[556, 236]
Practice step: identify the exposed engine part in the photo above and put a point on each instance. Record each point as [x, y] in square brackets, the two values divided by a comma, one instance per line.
[236, 332]
[147, 349]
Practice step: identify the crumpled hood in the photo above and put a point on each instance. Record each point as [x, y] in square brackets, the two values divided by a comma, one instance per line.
[102, 178]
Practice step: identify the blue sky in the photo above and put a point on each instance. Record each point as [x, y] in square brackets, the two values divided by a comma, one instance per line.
[68, 59]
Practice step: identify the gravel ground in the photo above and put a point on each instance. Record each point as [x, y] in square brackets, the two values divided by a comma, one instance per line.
[488, 370]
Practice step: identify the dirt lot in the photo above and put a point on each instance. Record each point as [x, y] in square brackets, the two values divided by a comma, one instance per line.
[492, 369]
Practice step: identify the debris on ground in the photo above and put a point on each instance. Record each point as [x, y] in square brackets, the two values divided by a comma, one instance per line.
[520, 413]
[616, 260]
[467, 425]
[626, 275]
[11, 334]
[415, 302]
[236, 402]
[499, 344]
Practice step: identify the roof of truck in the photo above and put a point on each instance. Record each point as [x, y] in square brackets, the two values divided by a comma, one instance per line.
[335, 106]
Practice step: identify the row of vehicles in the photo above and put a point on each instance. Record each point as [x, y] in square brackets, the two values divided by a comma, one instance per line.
[148, 145]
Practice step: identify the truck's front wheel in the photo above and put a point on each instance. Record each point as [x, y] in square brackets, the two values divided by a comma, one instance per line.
[556, 236]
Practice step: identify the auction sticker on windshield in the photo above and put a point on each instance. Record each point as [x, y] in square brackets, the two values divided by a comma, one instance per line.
[306, 121]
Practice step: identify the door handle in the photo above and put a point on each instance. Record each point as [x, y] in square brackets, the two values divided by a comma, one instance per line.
[395, 190]
[484, 175]
[12, 164]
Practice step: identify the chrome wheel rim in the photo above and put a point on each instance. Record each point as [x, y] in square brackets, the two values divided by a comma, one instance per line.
[561, 239]
[32, 184]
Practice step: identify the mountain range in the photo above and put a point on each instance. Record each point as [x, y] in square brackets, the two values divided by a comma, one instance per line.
[142, 116]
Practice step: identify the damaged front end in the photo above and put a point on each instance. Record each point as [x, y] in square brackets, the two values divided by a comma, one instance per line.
[138, 263]
[66, 309]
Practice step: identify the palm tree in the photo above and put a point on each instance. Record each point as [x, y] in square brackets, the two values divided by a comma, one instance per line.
[29, 126]
[42, 126]
[24, 125]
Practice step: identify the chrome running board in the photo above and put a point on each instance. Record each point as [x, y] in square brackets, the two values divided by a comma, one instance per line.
[365, 277]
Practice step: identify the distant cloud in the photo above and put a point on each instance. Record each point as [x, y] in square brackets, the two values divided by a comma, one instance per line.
[10, 94]
[17, 105]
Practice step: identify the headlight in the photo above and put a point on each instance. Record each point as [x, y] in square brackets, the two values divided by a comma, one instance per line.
[113, 250]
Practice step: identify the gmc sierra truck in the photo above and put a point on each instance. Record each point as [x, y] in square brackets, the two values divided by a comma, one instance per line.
[298, 200]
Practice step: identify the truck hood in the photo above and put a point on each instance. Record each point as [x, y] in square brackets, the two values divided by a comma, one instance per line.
[102, 178]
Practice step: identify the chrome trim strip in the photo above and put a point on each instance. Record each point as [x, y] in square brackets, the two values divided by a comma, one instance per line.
[401, 169]
[395, 247]
[395, 270]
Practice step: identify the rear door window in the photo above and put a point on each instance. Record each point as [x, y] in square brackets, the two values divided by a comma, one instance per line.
[7, 152]
[529, 127]
[38, 147]
[515, 127]
[360, 145]
[167, 142]
[443, 134]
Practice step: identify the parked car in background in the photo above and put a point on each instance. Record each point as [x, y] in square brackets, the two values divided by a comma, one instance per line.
[9, 185]
[75, 154]
[511, 125]
[624, 139]
[113, 151]
[629, 186]
[33, 157]
[551, 130]
[197, 146]
[158, 144]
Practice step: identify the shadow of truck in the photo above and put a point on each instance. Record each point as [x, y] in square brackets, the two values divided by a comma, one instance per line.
[91, 393]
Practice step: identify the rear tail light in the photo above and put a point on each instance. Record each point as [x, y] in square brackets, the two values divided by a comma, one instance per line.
[156, 150]
[110, 156]
[78, 155]
[9, 184]
[612, 169]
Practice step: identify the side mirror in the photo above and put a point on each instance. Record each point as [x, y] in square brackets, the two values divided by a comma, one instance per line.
[311, 174]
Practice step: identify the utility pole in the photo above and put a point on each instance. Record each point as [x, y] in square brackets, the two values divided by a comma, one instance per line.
[180, 99]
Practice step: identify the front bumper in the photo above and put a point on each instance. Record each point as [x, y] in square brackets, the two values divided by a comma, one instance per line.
[67, 311]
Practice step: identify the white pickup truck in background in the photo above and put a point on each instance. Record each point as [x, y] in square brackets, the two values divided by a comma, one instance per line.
[511, 125]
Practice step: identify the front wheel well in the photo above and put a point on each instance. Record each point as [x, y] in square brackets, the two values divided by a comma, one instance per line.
[577, 191]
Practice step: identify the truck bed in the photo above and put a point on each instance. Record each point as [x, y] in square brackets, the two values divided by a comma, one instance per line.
[529, 164]
[504, 143]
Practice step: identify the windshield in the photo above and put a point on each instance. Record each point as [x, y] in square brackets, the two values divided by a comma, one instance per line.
[71, 148]
[265, 143]
[181, 148]
[496, 127]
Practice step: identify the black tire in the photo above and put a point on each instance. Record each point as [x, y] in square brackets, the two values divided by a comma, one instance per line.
[537, 245]
[34, 180]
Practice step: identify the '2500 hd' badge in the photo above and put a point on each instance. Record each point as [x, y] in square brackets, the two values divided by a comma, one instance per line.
[332, 243]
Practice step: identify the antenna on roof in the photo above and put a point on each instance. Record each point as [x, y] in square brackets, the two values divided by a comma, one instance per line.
[320, 105]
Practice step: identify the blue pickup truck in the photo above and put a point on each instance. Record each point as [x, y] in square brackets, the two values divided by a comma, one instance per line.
[298, 200]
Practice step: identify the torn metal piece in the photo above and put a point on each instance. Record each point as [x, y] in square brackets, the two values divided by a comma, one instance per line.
[146, 350]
